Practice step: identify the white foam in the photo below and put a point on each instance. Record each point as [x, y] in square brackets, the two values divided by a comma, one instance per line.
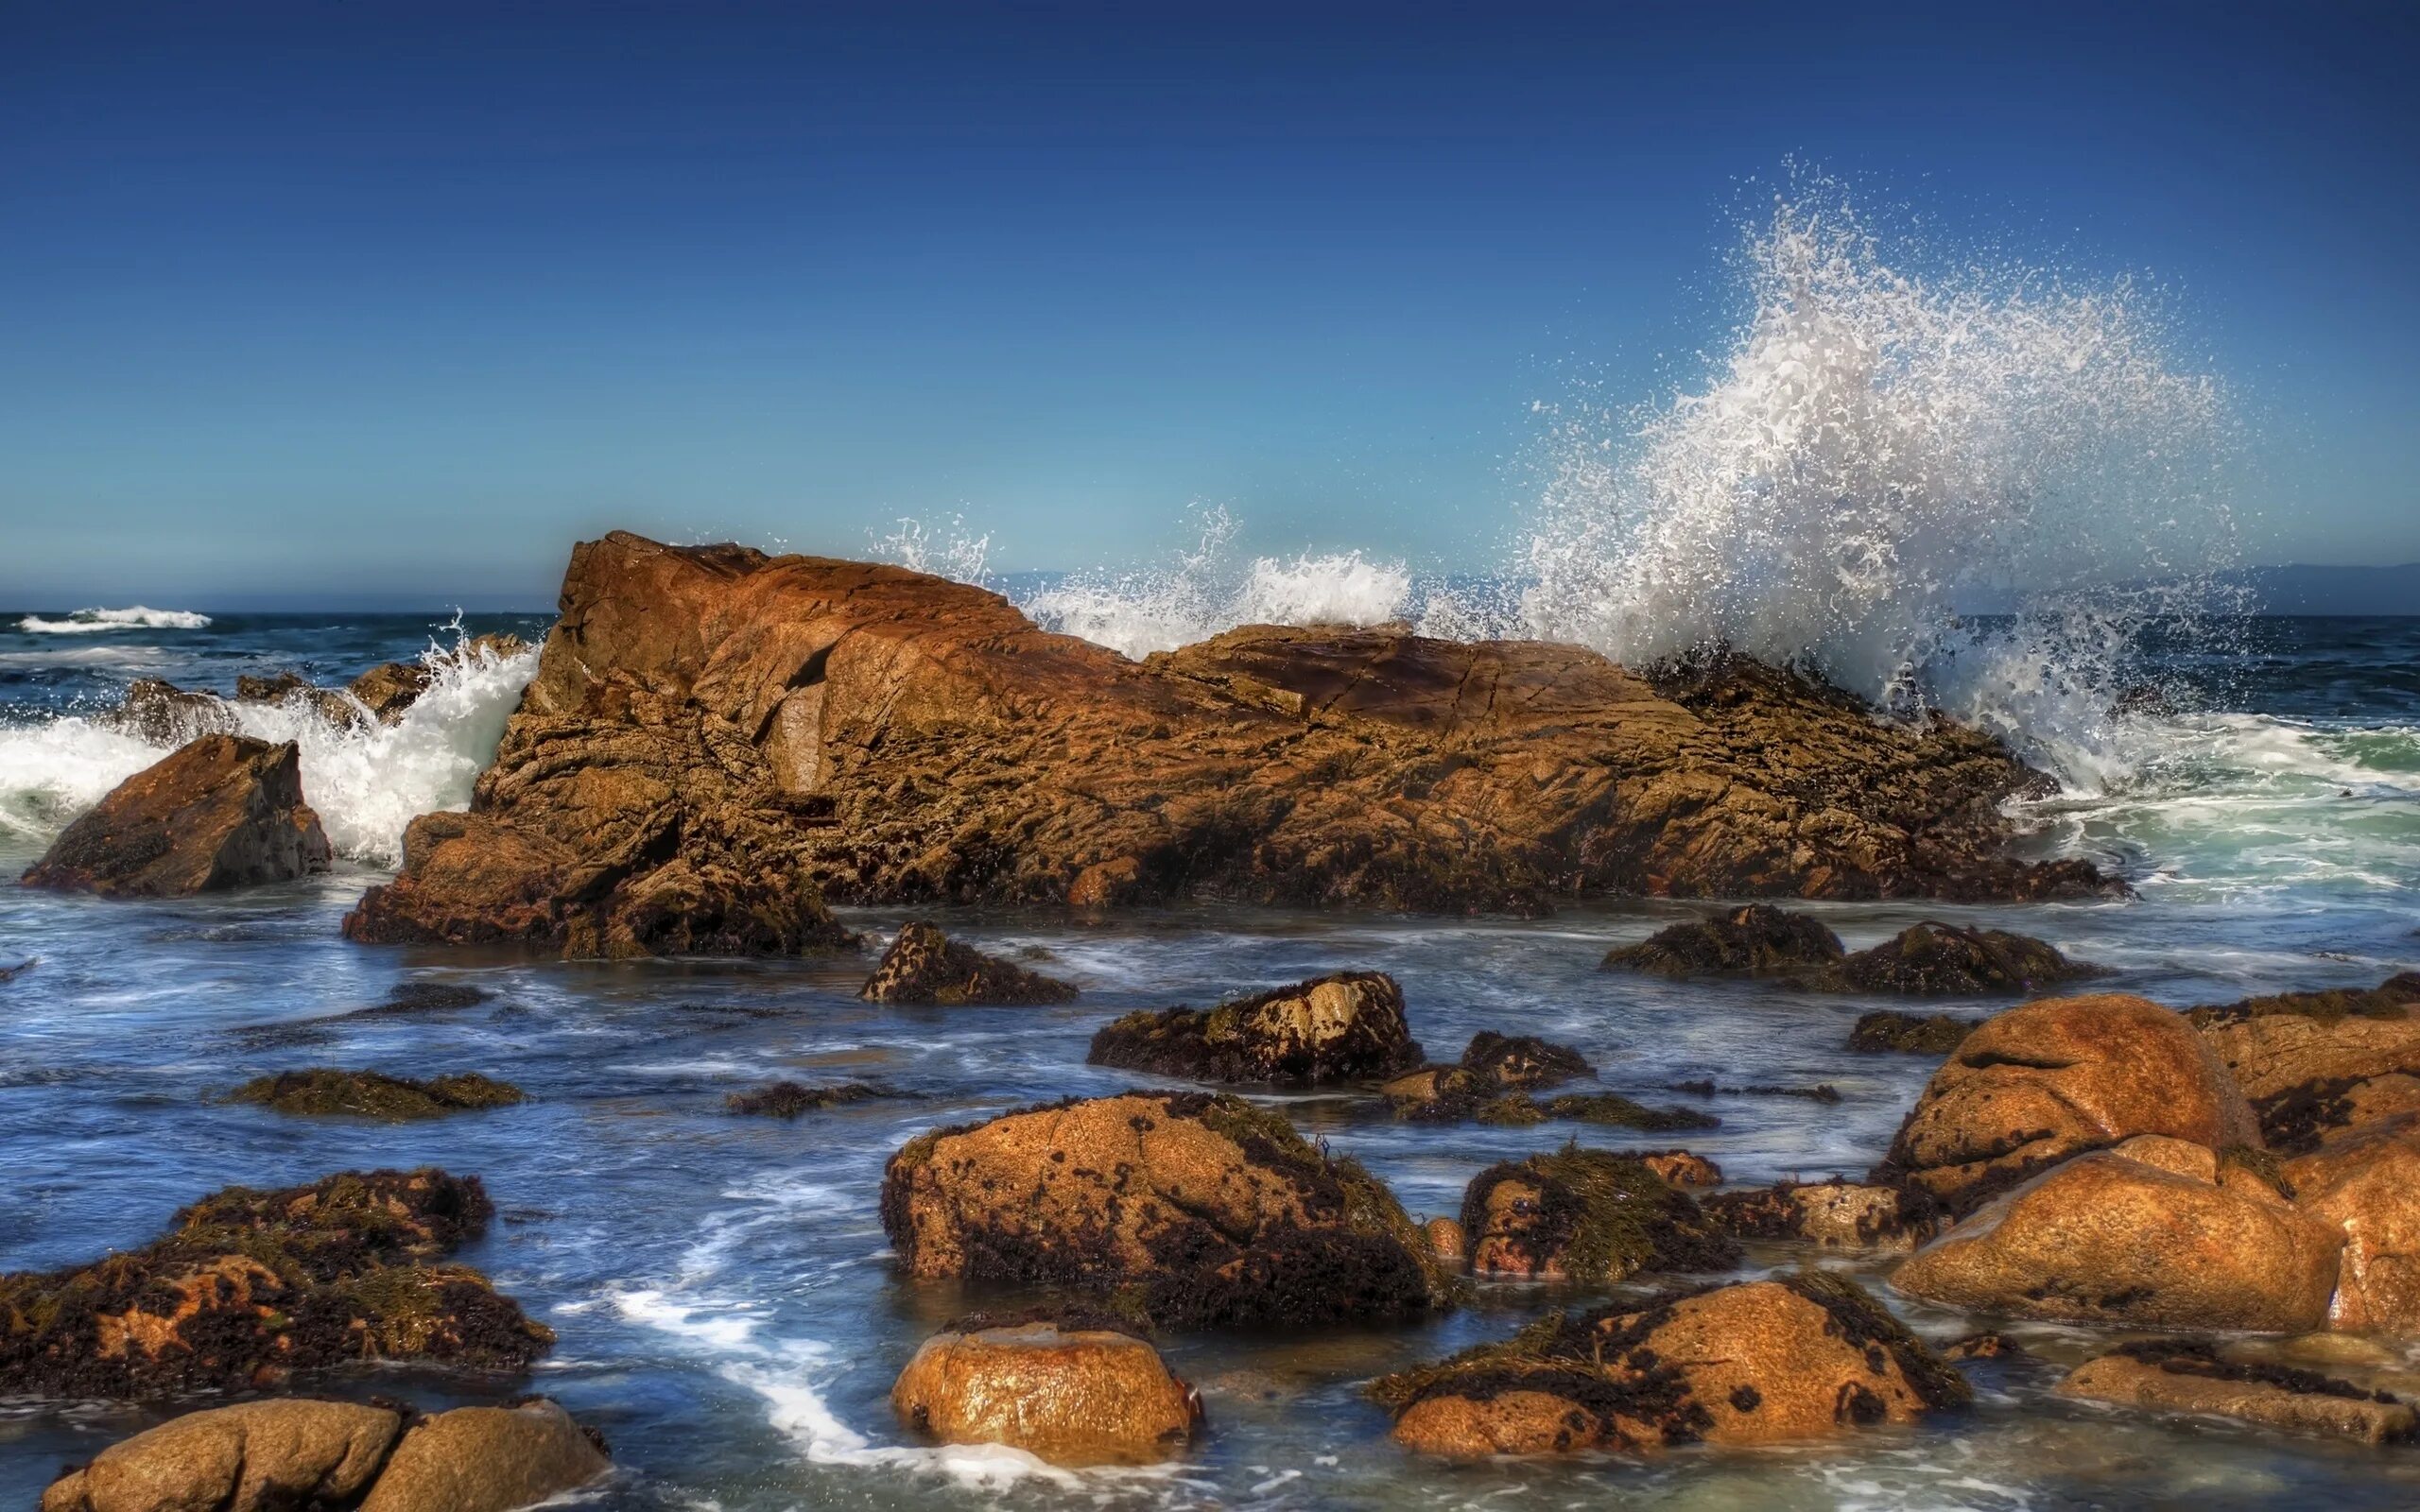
[96, 621]
[50, 773]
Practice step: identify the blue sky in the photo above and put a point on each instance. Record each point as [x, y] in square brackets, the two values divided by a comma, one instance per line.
[325, 302]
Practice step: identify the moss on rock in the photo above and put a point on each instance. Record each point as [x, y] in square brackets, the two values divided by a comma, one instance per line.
[324, 1091]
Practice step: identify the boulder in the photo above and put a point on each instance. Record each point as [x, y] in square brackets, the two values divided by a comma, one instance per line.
[1069, 1395]
[1829, 1214]
[1803, 1356]
[1344, 1027]
[2315, 1062]
[1757, 940]
[322, 1092]
[2051, 1079]
[1511, 1062]
[2189, 1378]
[161, 714]
[224, 812]
[2171, 1240]
[251, 1286]
[1934, 959]
[788, 1099]
[1590, 1216]
[488, 1459]
[924, 965]
[1207, 1210]
[255, 1456]
[390, 687]
[867, 735]
[2365, 1185]
[1915, 1033]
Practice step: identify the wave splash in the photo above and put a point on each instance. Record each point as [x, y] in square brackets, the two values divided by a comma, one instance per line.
[99, 621]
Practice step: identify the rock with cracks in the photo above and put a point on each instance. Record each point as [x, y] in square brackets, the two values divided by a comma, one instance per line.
[224, 812]
[1345, 1027]
[924, 966]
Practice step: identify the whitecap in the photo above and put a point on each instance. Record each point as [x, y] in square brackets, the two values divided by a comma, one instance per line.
[98, 621]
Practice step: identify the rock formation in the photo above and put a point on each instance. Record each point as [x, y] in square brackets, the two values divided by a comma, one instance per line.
[2364, 1184]
[924, 965]
[1589, 1216]
[1071, 1394]
[2314, 1062]
[790, 1099]
[1348, 1026]
[1915, 1033]
[2192, 1378]
[1934, 959]
[224, 812]
[1828, 1215]
[324, 1093]
[1756, 940]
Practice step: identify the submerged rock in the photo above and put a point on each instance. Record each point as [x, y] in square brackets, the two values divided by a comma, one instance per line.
[1934, 959]
[1519, 1109]
[1345, 1027]
[2316, 1062]
[2052, 1079]
[1200, 1209]
[1487, 1083]
[1523, 1061]
[323, 1091]
[1074, 1396]
[788, 1099]
[1803, 1356]
[1831, 1215]
[1757, 940]
[255, 1456]
[224, 812]
[1915, 1033]
[1585, 1215]
[251, 1285]
[489, 1459]
[794, 727]
[924, 965]
[2188, 1377]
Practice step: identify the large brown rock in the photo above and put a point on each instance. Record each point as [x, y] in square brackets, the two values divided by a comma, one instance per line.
[224, 812]
[1343, 1027]
[1828, 1215]
[488, 1459]
[1072, 1396]
[1209, 1211]
[890, 737]
[924, 965]
[1803, 1356]
[257, 1456]
[2365, 1184]
[2051, 1079]
[2314, 1062]
[2177, 1239]
[2195, 1380]
[1590, 1216]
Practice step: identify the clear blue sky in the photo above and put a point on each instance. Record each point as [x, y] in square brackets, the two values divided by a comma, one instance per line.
[398, 298]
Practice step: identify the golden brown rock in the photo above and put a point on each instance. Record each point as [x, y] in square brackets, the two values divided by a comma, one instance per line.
[2315, 1062]
[1832, 1214]
[257, 1456]
[488, 1459]
[1332, 1028]
[226, 811]
[2366, 1184]
[1074, 1397]
[1679, 1168]
[1591, 1216]
[2194, 1379]
[923, 965]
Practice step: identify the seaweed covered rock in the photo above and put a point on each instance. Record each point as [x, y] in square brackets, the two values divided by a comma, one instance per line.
[1196, 1210]
[1830, 1214]
[1612, 1109]
[2316, 1062]
[1757, 940]
[1344, 1027]
[251, 1285]
[1072, 1395]
[2152, 1243]
[2365, 1185]
[1915, 1033]
[1679, 1168]
[488, 1459]
[1803, 1356]
[2051, 1079]
[1589, 1216]
[255, 1456]
[1490, 1082]
[1934, 959]
[925, 966]
[2183, 1376]
[323, 1091]
[790, 1099]
[224, 812]
[1512, 1062]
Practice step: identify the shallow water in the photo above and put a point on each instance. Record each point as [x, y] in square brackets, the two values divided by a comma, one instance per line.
[726, 1311]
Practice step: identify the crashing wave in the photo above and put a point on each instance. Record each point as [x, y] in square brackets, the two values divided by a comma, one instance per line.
[98, 621]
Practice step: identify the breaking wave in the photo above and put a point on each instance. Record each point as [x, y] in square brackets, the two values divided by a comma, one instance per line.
[95, 621]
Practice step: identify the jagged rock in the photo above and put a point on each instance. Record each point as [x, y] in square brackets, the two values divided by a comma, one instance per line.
[1803, 1356]
[1585, 1215]
[2051, 1079]
[892, 738]
[1913, 1033]
[251, 1285]
[1511, 1062]
[1679, 1168]
[2314, 1062]
[488, 1459]
[788, 1099]
[1212, 1212]
[1934, 959]
[255, 1456]
[2190, 1242]
[390, 687]
[161, 714]
[322, 1091]
[1344, 1027]
[1757, 940]
[1069, 1395]
[1832, 1214]
[224, 812]
[2365, 1184]
[925, 966]
[2167, 1376]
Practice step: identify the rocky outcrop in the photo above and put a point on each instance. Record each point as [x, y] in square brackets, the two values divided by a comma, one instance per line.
[251, 1286]
[1803, 1356]
[322, 1091]
[1829, 1214]
[924, 965]
[790, 1099]
[1345, 1027]
[1204, 1210]
[2315, 1062]
[890, 737]
[1074, 1396]
[2156, 1233]
[2192, 1378]
[2365, 1186]
[1490, 1081]
[1522, 1062]
[1885, 1032]
[2051, 1079]
[161, 713]
[224, 812]
[1589, 1216]
[1934, 959]
[1757, 940]
[488, 1459]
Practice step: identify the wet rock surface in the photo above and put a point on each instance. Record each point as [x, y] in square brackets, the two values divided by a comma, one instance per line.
[2316, 1062]
[1829, 1214]
[1756, 940]
[1589, 1216]
[790, 1099]
[488, 1459]
[224, 812]
[1072, 1395]
[924, 966]
[2192, 1378]
[1915, 1033]
[323, 1091]
[2365, 1185]
[1934, 959]
[1345, 1027]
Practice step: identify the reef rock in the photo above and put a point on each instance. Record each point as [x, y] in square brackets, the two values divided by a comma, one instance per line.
[925, 966]
[2314, 1062]
[1757, 940]
[488, 1459]
[251, 1286]
[1585, 1215]
[1522, 1061]
[1345, 1027]
[160, 713]
[1913, 1033]
[2365, 1184]
[1830, 1214]
[788, 1099]
[1072, 1396]
[889, 737]
[1934, 959]
[1803, 1356]
[322, 1091]
[2173, 1376]
[2051, 1079]
[1213, 1211]
[255, 1456]
[224, 812]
